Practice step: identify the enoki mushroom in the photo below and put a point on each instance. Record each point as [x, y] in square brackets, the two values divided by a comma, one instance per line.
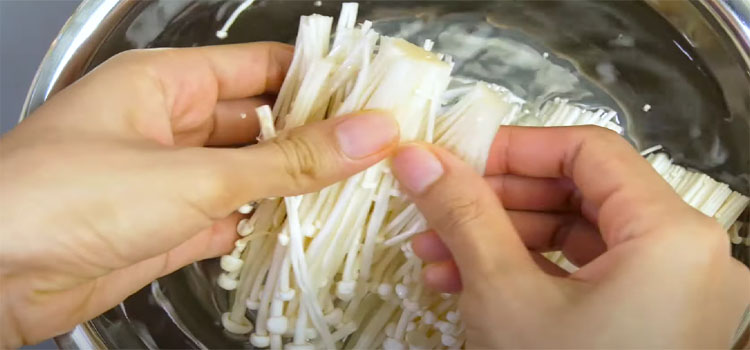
[334, 269]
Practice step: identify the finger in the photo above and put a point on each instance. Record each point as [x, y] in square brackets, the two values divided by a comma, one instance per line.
[299, 161]
[464, 211]
[624, 193]
[229, 71]
[442, 276]
[579, 241]
[235, 121]
[114, 287]
[583, 243]
[176, 89]
[535, 193]
[547, 266]
[430, 248]
[210, 243]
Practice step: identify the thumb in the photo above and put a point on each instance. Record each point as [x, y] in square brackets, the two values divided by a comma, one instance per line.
[297, 161]
[461, 207]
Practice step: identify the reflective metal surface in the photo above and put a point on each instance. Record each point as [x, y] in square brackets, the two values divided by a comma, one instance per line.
[69, 54]
[690, 61]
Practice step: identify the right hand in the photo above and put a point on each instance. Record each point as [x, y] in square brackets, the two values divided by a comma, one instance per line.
[654, 272]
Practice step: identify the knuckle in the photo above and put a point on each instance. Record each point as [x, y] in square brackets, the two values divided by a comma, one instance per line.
[603, 134]
[138, 69]
[142, 63]
[213, 188]
[129, 57]
[301, 157]
[215, 183]
[461, 212]
[702, 239]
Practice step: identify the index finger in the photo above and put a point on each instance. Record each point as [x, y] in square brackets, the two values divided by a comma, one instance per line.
[624, 191]
[234, 71]
[176, 89]
[465, 213]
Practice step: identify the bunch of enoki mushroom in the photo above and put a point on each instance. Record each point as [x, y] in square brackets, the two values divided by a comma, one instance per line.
[334, 269]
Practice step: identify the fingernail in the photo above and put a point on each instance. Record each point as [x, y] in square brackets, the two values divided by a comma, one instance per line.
[416, 168]
[365, 134]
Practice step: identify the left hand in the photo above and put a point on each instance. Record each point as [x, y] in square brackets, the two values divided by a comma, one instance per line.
[107, 186]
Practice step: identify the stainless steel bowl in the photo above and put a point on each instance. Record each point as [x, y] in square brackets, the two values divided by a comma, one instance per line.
[690, 60]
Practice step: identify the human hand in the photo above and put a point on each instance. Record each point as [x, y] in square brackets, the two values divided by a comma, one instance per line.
[108, 186]
[659, 275]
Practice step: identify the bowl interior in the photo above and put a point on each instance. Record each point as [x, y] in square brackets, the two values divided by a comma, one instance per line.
[621, 54]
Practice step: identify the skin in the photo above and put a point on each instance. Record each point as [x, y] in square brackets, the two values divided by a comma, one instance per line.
[654, 272]
[111, 184]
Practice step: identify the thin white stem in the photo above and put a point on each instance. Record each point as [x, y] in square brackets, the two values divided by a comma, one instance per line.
[223, 32]
[373, 226]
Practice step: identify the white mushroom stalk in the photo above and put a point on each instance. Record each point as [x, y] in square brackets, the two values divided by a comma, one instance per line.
[481, 110]
[711, 197]
[561, 112]
[335, 269]
[224, 31]
[329, 239]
